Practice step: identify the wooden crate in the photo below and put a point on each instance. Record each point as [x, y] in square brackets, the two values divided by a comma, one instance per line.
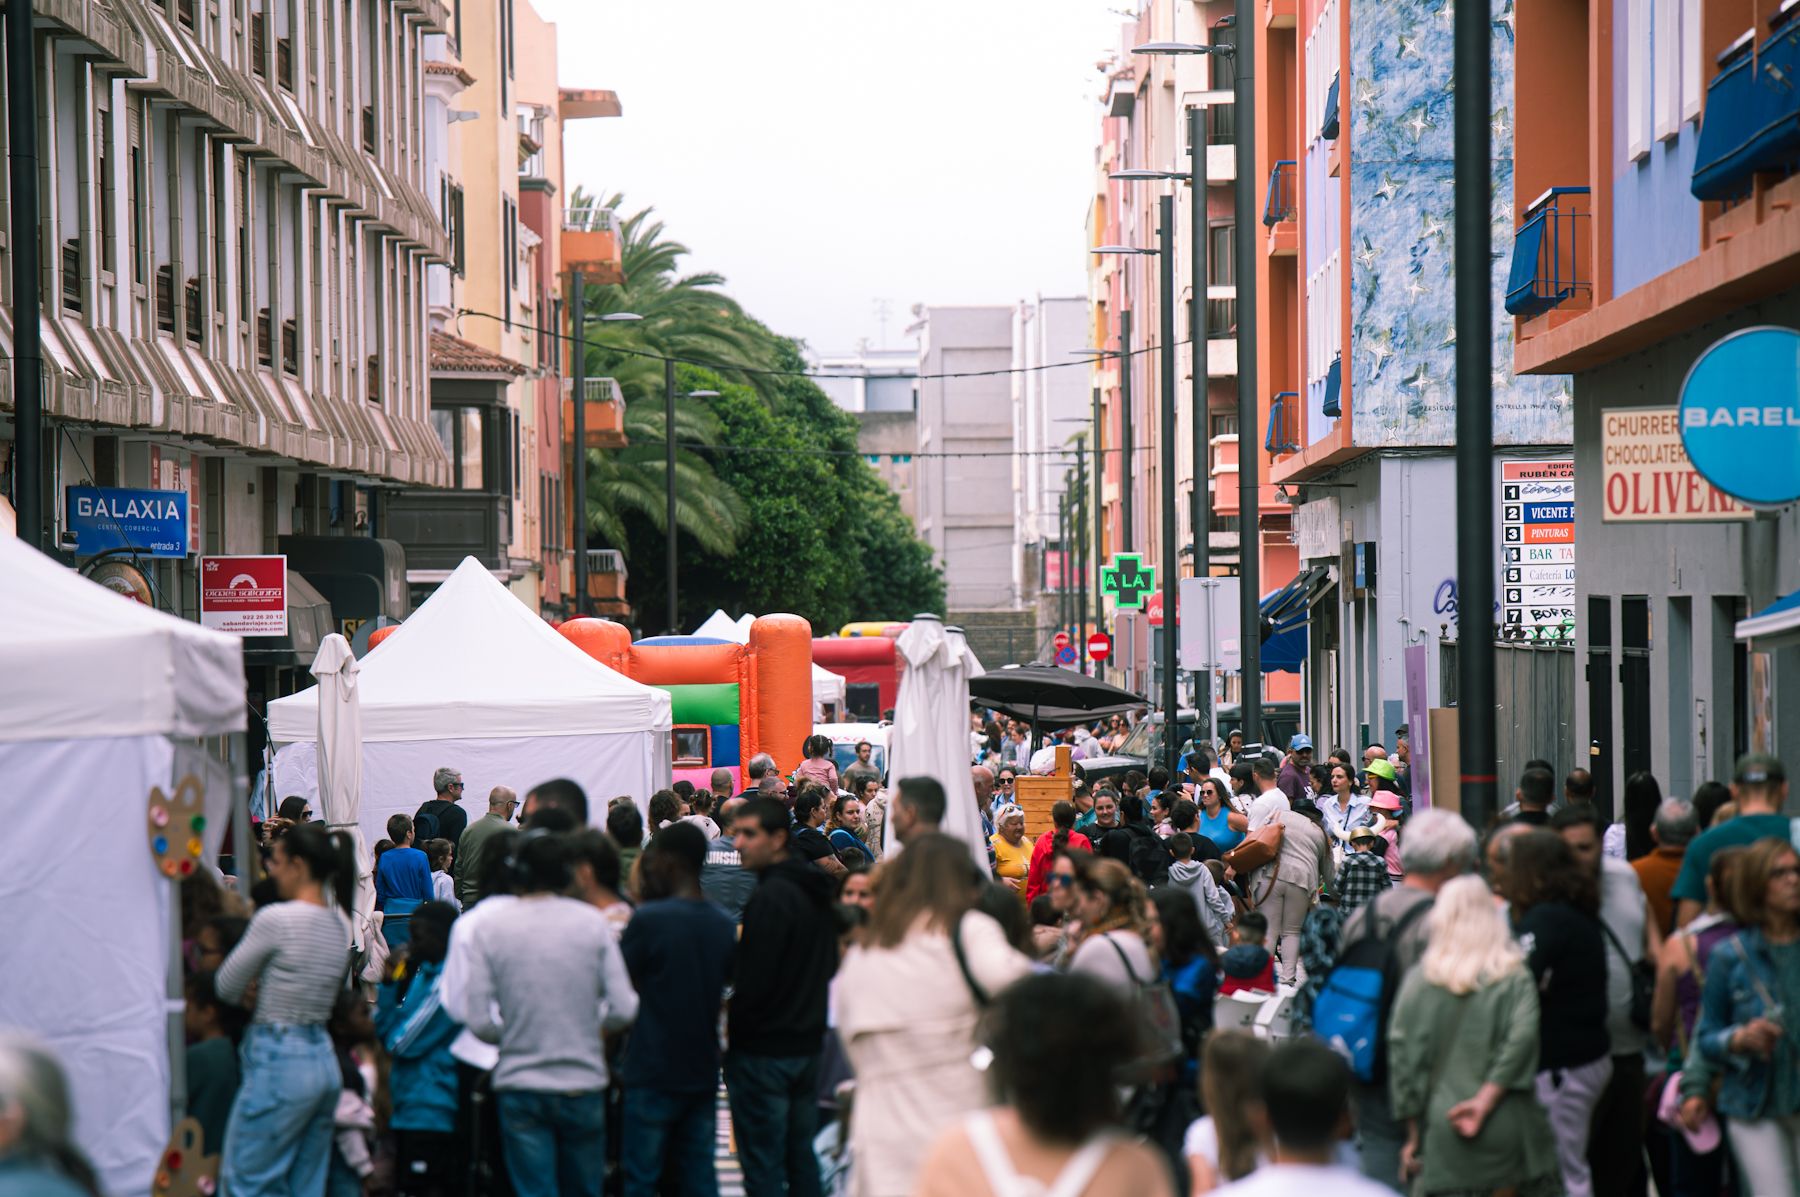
[1036, 795]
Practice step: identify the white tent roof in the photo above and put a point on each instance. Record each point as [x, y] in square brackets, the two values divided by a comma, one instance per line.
[827, 687]
[82, 661]
[474, 662]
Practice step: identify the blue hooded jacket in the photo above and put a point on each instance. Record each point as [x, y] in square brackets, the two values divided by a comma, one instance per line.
[417, 1032]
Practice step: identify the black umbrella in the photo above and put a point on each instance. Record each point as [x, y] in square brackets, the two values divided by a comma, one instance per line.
[1042, 688]
[1057, 718]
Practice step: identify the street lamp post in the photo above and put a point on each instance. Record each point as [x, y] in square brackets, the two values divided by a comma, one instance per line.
[1249, 499]
[669, 482]
[1165, 237]
[1200, 517]
[1081, 552]
[1127, 436]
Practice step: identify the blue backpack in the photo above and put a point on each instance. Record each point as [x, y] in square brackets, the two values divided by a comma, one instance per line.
[1351, 1012]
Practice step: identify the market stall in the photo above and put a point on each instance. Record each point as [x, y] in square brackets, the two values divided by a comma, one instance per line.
[103, 705]
[476, 681]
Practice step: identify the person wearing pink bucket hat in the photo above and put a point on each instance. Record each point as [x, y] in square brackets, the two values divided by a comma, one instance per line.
[1387, 807]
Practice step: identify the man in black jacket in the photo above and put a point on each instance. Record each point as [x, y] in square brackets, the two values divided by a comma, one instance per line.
[448, 820]
[776, 1023]
[1134, 845]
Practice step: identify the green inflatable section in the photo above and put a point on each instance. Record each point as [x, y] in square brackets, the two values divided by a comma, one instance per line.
[709, 704]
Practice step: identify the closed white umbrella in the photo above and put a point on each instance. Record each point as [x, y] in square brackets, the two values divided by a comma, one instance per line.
[931, 725]
[340, 762]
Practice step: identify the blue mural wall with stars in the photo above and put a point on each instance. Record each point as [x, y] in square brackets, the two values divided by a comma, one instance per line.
[1402, 279]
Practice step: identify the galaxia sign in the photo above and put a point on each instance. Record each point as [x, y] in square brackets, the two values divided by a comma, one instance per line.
[1740, 415]
[153, 523]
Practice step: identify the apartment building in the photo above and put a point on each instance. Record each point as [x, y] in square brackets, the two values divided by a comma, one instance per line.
[235, 230]
[1052, 405]
[880, 388]
[495, 116]
[1655, 222]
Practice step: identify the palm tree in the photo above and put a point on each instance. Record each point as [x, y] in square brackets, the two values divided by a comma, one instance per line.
[681, 316]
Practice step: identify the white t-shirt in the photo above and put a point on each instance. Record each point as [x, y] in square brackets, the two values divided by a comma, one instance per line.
[1266, 805]
[1202, 1139]
[1305, 1180]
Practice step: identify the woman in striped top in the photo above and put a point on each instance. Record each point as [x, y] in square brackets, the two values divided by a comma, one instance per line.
[297, 952]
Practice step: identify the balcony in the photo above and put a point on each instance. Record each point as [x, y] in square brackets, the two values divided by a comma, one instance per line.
[1284, 425]
[606, 580]
[1281, 209]
[590, 243]
[604, 414]
[71, 276]
[1282, 14]
[1751, 122]
[1552, 259]
[441, 527]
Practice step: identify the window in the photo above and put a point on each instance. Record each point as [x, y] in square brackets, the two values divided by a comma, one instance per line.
[460, 430]
[1321, 68]
[1224, 78]
[1324, 318]
[692, 747]
[1221, 271]
[1663, 85]
[1224, 423]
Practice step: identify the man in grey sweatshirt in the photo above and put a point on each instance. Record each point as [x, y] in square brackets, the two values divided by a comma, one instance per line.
[546, 978]
[1216, 910]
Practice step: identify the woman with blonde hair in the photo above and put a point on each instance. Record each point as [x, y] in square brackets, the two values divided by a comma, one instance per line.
[907, 998]
[1463, 1057]
[1221, 1145]
[1115, 921]
[37, 1149]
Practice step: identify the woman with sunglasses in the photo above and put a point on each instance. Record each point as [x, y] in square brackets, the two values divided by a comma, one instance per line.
[1218, 822]
[1003, 784]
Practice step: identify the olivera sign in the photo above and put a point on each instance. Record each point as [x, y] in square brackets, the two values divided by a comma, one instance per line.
[1740, 415]
[1646, 476]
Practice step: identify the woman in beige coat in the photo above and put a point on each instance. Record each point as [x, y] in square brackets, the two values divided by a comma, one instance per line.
[907, 1010]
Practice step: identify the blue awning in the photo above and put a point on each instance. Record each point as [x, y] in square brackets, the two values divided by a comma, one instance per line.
[1328, 128]
[1775, 626]
[1775, 142]
[1522, 298]
[1725, 156]
[1288, 606]
[1333, 405]
[1285, 651]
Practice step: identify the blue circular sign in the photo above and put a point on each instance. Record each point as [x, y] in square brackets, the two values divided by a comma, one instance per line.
[1740, 415]
[1065, 655]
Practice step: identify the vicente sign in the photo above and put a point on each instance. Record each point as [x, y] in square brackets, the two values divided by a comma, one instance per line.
[1646, 476]
[245, 595]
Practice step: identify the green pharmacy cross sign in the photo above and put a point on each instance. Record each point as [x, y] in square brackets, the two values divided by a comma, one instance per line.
[1128, 579]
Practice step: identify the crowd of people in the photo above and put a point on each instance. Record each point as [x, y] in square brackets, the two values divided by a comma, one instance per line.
[1262, 975]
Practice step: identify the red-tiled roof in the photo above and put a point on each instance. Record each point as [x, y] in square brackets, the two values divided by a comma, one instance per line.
[453, 355]
[451, 69]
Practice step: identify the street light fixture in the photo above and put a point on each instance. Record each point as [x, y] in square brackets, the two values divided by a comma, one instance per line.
[1121, 249]
[1141, 175]
[669, 479]
[1223, 49]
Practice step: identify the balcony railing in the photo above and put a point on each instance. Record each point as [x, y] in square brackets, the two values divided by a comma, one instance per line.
[259, 43]
[368, 128]
[590, 219]
[1550, 262]
[1284, 425]
[1751, 121]
[71, 275]
[1280, 207]
[190, 298]
[606, 574]
[165, 298]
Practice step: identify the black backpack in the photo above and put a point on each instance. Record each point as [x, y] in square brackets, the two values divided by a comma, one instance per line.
[1351, 1012]
[1147, 855]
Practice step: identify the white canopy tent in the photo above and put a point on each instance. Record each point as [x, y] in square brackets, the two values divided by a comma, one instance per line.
[828, 688]
[476, 681]
[99, 690]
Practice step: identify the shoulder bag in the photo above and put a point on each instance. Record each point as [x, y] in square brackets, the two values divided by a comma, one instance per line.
[1643, 979]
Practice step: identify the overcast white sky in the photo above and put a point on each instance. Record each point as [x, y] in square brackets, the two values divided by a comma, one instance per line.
[827, 155]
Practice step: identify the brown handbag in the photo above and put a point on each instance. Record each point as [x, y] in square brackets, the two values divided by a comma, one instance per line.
[1255, 850]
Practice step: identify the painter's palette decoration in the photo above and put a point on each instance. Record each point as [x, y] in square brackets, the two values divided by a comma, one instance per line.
[184, 1171]
[177, 827]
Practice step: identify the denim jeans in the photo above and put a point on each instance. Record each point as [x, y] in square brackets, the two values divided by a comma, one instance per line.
[1378, 1135]
[774, 1116]
[676, 1128]
[555, 1142]
[278, 1141]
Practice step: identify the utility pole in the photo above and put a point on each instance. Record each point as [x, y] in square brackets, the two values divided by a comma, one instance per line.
[1127, 438]
[578, 351]
[1165, 240]
[1472, 75]
[1201, 507]
[669, 485]
[1062, 559]
[1081, 552]
[1099, 553]
[1246, 23]
[28, 352]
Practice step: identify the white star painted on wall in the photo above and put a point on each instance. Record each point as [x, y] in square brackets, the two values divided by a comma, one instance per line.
[1409, 46]
[1499, 379]
[1419, 380]
[1366, 92]
[1418, 121]
[1415, 288]
[1389, 188]
[1380, 349]
[1432, 224]
[1508, 18]
[1449, 338]
[1500, 124]
[1367, 255]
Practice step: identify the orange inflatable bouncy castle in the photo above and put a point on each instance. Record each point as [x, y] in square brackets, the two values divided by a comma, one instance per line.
[731, 701]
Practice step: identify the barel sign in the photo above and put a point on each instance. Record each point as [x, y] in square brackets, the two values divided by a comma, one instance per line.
[1646, 476]
[246, 595]
[1740, 415]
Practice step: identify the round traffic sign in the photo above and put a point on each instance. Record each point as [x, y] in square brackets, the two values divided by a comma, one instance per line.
[1060, 640]
[1065, 655]
[1740, 415]
[1099, 646]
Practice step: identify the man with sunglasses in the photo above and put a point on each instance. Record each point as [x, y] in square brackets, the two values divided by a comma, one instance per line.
[441, 817]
